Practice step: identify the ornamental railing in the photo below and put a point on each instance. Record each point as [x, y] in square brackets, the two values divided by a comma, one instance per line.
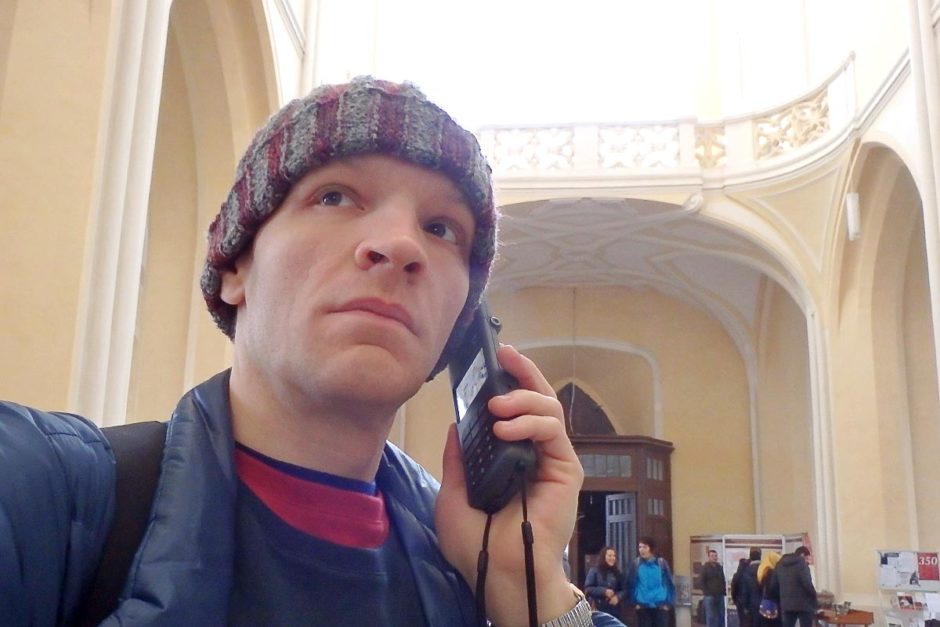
[745, 142]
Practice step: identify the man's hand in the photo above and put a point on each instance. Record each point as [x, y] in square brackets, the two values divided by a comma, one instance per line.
[552, 502]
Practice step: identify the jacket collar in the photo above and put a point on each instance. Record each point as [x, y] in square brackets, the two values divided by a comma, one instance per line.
[182, 573]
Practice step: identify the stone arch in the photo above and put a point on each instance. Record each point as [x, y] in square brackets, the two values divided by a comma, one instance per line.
[632, 380]
[218, 87]
[885, 340]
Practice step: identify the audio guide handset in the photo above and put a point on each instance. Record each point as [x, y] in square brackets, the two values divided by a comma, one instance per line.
[494, 468]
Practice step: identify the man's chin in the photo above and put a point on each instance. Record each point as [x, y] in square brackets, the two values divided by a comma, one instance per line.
[377, 371]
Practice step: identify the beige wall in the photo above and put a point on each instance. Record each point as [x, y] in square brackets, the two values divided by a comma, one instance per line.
[620, 381]
[220, 87]
[784, 418]
[922, 395]
[52, 60]
[880, 357]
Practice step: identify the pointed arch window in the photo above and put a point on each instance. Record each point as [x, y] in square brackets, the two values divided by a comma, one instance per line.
[587, 416]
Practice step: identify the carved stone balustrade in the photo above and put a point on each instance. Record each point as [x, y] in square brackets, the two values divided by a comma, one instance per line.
[752, 142]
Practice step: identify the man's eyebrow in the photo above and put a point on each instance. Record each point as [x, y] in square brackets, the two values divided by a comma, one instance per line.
[457, 197]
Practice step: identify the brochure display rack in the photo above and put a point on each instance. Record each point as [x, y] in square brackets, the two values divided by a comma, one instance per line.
[909, 585]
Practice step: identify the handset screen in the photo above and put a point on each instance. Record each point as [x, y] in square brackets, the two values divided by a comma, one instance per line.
[471, 384]
[494, 468]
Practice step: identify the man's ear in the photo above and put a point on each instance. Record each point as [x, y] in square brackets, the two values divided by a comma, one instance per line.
[233, 281]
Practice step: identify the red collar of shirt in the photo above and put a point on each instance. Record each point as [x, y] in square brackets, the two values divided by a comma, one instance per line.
[343, 517]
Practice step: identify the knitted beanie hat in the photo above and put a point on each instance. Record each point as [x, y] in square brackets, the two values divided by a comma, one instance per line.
[364, 116]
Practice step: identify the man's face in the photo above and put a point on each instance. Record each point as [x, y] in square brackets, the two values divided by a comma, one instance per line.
[644, 550]
[352, 287]
[713, 556]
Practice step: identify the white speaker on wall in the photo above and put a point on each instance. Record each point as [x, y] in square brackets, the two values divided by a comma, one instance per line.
[853, 219]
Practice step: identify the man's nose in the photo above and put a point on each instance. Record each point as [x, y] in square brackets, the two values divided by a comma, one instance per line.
[395, 241]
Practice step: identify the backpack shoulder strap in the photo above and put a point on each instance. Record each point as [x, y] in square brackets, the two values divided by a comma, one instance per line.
[138, 450]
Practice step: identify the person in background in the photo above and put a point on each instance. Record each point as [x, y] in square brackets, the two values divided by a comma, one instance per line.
[796, 590]
[766, 580]
[605, 584]
[738, 593]
[714, 588]
[650, 586]
[752, 594]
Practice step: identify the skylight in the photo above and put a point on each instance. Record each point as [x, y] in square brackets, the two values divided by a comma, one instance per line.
[509, 62]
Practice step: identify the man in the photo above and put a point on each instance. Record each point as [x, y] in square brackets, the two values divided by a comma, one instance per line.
[713, 589]
[650, 585]
[345, 264]
[738, 593]
[752, 590]
[796, 589]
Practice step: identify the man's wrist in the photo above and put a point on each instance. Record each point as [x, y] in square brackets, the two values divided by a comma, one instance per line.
[505, 599]
[577, 616]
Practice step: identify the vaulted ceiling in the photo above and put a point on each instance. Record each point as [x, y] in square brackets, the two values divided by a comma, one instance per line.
[637, 244]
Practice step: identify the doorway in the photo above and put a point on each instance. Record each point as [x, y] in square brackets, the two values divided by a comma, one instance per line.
[626, 494]
[604, 519]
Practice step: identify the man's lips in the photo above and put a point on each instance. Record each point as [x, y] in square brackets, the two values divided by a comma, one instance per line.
[380, 308]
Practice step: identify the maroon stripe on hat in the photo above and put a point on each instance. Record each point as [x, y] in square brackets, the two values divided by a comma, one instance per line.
[216, 230]
[390, 131]
[325, 136]
[455, 151]
[274, 153]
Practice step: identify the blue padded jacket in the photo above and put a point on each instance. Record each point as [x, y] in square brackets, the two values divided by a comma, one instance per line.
[57, 501]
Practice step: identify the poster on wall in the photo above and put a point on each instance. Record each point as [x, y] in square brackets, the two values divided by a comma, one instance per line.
[908, 570]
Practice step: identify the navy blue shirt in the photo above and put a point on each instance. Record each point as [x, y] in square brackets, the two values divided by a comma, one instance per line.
[286, 576]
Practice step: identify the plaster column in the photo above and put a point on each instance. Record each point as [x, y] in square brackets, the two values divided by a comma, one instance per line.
[114, 251]
[827, 515]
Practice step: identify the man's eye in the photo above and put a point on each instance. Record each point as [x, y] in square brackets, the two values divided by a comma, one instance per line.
[442, 230]
[334, 198]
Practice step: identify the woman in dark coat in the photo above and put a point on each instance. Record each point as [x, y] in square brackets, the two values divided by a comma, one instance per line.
[604, 584]
[766, 580]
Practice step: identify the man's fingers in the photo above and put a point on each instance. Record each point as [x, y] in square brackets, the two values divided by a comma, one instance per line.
[549, 435]
[523, 401]
[529, 427]
[524, 370]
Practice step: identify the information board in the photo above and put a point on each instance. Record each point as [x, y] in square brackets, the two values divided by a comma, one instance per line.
[908, 570]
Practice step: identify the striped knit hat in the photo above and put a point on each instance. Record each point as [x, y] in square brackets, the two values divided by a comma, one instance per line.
[363, 116]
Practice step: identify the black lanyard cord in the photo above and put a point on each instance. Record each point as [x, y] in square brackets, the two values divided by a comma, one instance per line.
[528, 539]
[482, 564]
